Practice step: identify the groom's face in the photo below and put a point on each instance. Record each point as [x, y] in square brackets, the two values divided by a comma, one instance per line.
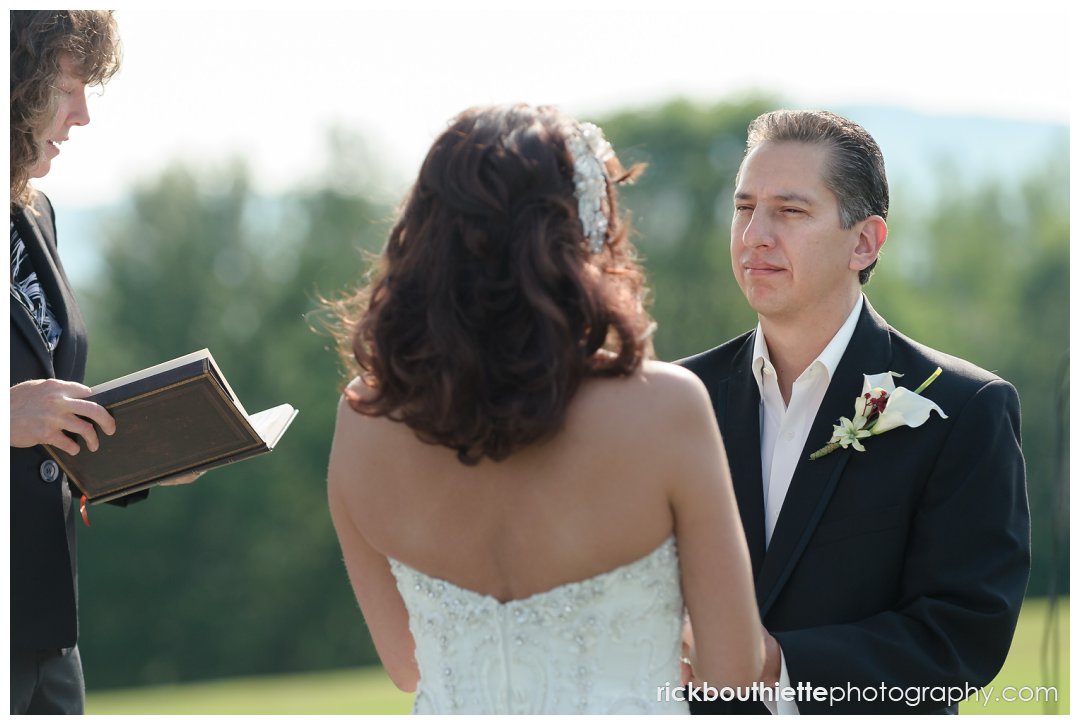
[788, 251]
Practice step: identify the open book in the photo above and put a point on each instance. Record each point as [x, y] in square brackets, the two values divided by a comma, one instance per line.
[175, 418]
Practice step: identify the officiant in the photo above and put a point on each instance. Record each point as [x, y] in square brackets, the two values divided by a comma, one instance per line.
[55, 56]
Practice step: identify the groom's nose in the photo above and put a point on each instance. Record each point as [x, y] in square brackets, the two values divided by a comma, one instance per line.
[755, 231]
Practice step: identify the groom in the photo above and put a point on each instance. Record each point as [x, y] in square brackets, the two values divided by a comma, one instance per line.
[888, 575]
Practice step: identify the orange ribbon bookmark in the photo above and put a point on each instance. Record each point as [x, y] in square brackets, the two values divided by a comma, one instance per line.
[82, 510]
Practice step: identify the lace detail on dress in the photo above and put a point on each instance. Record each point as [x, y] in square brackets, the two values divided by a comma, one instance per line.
[600, 645]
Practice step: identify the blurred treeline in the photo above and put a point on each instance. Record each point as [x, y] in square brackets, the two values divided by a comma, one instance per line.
[241, 573]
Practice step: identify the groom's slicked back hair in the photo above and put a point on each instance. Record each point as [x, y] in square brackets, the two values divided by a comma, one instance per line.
[486, 309]
[855, 173]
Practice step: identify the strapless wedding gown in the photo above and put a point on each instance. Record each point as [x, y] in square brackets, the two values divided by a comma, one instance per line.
[608, 644]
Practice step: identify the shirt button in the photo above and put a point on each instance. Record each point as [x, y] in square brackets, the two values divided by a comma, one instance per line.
[49, 471]
[790, 435]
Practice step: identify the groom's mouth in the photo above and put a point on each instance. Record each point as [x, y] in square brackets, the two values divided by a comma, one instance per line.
[758, 269]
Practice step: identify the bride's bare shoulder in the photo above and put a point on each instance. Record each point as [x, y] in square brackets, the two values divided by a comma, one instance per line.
[353, 427]
[358, 437]
[658, 391]
[670, 374]
[667, 385]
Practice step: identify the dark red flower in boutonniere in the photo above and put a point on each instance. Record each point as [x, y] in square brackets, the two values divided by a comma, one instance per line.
[882, 407]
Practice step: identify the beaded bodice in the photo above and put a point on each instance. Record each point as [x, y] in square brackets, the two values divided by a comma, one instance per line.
[601, 645]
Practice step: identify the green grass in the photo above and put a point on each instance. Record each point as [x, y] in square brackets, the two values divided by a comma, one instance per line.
[363, 690]
[369, 691]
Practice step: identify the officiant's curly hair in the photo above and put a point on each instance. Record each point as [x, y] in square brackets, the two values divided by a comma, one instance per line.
[486, 309]
[38, 40]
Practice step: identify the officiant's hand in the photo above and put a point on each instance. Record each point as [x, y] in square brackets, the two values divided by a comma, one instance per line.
[181, 480]
[42, 410]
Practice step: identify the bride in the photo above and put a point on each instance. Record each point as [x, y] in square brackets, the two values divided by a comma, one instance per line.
[526, 503]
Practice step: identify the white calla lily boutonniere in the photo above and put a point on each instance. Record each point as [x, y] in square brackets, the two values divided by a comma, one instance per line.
[880, 408]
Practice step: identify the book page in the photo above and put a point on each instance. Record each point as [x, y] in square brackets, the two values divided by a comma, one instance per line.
[270, 424]
[215, 370]
[153, 370]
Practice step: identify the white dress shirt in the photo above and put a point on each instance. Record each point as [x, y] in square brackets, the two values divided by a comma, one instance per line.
[784, 429]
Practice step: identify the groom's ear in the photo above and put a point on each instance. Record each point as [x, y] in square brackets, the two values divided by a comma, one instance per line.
[872, 232]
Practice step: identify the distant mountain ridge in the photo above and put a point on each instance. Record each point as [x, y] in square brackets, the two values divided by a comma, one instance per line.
[916, 144]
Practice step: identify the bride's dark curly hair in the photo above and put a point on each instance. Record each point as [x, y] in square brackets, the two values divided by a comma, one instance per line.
[486, 309]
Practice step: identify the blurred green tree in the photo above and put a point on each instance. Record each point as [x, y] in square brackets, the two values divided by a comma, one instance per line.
[241, 572]
[992, 286]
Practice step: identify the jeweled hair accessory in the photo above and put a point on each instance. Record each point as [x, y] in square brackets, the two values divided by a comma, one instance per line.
[590, 151]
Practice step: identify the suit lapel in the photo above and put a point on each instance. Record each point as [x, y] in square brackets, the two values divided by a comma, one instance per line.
[20, 319]
[31, 235]
[741, 426]
[41, 249]
[813, 482]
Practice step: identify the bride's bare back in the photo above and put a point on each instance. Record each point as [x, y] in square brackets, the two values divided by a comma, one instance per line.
[638, 459]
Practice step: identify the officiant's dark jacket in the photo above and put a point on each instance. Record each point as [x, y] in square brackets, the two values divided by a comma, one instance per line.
[43, 559]
[905, 564]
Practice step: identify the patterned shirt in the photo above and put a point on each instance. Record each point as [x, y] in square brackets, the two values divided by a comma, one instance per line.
[26, 287]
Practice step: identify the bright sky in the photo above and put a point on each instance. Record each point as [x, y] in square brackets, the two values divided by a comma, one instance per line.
[206, 85]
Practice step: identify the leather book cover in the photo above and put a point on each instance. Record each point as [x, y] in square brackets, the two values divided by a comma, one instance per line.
[171, 419]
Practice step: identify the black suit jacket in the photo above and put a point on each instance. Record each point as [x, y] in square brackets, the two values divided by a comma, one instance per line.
[43, 558]
[905, 564]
